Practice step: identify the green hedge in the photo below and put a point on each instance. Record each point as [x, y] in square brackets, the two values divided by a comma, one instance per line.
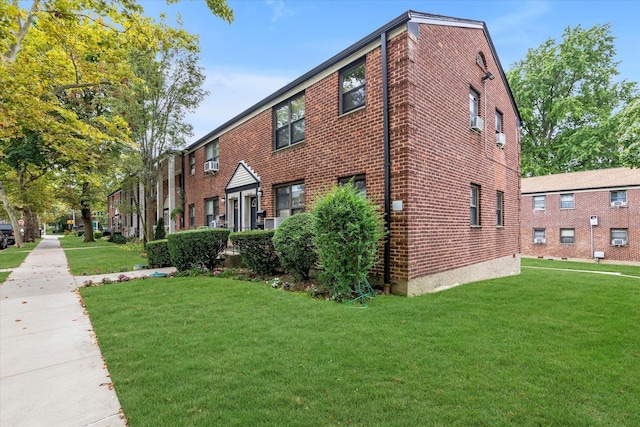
[197, 249]
[256, 250]
[117, 238]
[295, 244]
[158, 253]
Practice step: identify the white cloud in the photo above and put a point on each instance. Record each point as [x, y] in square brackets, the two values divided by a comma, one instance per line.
[231, 93]
[279, 10]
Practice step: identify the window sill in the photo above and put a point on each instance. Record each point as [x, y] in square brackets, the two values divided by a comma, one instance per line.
[500, 227]
[352, 111]
[281, 149]
[476, 227]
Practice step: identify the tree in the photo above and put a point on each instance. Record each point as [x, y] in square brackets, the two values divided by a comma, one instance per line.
[629, 134]
[170, 85]
[60, 47]
[567, 98]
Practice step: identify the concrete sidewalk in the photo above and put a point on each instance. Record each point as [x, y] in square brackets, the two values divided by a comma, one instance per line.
[51, 369]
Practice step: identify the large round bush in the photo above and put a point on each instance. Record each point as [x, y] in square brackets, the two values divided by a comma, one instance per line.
[295, 244]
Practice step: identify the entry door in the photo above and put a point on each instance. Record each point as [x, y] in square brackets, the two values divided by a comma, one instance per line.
[253, 202]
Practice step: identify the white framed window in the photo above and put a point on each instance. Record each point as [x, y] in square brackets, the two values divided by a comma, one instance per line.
[289, 199]
[192, 215]
[211, 210]
[567, 201]
[474, 103]
[539, 235]
[567, 236]
[619, 237]
[498, 121]
[539, 203]
[212, 151]
[618, 198]
[475, 205]
[192, 163]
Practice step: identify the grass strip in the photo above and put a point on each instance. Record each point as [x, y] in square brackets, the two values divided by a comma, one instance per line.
[542, 348]
[630, 270]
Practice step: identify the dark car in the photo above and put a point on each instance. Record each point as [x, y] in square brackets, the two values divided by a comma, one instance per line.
[3, 242]
[106, 232]
[7, 232]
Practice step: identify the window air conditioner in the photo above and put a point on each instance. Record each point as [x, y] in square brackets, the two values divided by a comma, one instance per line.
[210, 166]
[476, 123]
[214, 224]
[618, 203]
[539, 240]
[618, 242]
[500, 140]
[273, 223]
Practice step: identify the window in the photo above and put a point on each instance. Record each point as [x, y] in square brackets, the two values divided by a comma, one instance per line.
[566, 201]
[619, 236]
[192, 163]
[499, 208]
[211, 211]
[352, 86]
[539, 235]
[567, 236]
[359, 181]
[474, 98]
[289, 199]
[539, 203]
[289, 122]
[481, 61]
[475, 205]
[619, 198]
[192, 215]
[212, 151]
[498, 122]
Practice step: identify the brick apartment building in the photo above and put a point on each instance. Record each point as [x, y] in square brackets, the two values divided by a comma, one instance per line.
[418, 113]
[584, 215]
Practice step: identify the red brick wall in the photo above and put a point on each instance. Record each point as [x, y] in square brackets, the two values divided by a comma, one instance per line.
[434, 155]
[445, 156]
[586, 204]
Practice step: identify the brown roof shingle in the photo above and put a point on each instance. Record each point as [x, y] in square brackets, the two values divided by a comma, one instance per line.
[601, 178]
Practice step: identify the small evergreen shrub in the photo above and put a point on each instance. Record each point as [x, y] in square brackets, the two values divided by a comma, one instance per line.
[197, 248]
[159, 232]
[347, 229]
[158, 253]
[97, 234]
[117, 238]
[294, 243]
[256, 250]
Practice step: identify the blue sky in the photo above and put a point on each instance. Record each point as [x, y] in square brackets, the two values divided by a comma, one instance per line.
[272, 42]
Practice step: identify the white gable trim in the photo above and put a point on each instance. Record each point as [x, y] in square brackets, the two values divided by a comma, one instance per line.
[242, 177]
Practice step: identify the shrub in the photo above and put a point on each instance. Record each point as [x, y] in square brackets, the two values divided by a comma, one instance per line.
[158, 253]
[256, 250]
[97, 234]
[117, 238]
[159, 232]
[347, 229]
[294, 243]
[197, 248]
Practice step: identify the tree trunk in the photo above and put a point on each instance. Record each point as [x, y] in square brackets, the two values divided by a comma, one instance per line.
[85, 206]
[149, 215]
[30, 224]
[12, 216]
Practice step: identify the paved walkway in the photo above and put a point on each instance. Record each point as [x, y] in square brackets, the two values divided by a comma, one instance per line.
[51, 369]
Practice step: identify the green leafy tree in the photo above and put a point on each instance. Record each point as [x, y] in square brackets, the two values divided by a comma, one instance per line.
[348, 228]
[294, 242]
[629, 134]
[568, 96]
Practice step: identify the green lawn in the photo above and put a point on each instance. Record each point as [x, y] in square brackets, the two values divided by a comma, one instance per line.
[588, 266]
[100, 256]
[13, 256]
[550, 348]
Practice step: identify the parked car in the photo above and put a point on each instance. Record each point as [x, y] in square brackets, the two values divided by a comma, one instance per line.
[106, 232]
[7, 231]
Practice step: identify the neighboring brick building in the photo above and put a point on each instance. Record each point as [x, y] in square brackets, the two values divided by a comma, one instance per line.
[585, 215]
[419, 112]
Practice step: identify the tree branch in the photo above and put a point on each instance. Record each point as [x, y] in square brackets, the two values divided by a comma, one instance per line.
[59, 89]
